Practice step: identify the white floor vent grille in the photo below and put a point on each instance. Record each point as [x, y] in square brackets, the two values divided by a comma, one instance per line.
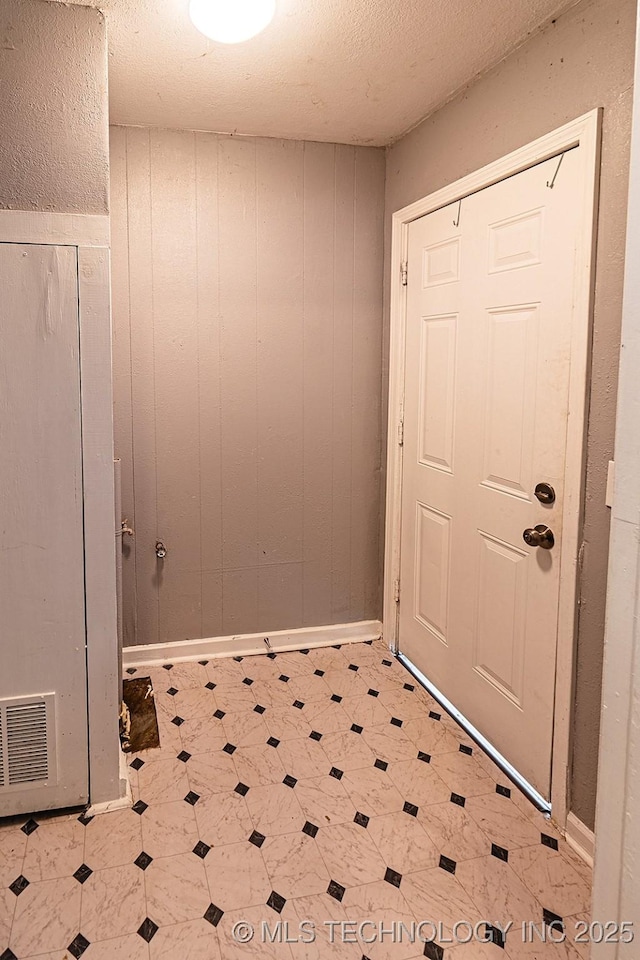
[27, 742]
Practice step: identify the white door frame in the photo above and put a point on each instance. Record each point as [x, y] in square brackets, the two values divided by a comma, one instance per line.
[90, 235]
[583, 132]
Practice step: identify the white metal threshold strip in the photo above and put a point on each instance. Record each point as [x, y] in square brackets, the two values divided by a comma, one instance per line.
[510, 771]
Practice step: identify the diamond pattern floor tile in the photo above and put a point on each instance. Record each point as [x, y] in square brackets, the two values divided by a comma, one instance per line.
[170, 942]
[323, 786]
[237, 875]
[112, 902]
[46, 918]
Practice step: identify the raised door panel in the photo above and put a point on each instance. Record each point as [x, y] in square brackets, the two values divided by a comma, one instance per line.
[437, 392]
[510, 397]
[516, 242]
[441, 263]
[499, 636]
[432, 573]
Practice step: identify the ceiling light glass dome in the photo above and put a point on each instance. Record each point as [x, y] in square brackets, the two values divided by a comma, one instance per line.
[231, 21]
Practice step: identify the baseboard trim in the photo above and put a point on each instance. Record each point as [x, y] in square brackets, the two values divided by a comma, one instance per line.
[123, 803]
[580, 839]
[248, 644]
[125, 799]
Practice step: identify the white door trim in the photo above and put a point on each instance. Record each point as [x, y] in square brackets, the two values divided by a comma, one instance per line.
[583, 132]
[89, 234]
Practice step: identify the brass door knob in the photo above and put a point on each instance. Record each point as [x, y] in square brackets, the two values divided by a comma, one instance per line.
[539, 536]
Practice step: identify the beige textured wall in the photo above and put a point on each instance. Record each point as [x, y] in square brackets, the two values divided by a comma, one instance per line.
[54, 144]
[583, 60]
[247, 305]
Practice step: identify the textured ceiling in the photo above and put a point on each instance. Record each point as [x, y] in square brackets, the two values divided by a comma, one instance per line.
[351, 71]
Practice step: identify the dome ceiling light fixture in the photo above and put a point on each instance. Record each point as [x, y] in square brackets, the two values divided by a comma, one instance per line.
[231, 21]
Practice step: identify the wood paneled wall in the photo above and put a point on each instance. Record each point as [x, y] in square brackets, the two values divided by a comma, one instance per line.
[247, 307]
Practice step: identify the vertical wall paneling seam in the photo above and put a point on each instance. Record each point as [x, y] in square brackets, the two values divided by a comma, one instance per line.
[354, 187]
[303, 579]
[342, 384]
[209, 437]
[256, 215]
[333, 393]
[335, 405]
[220, 384]
[142, 333]
[153, 362]
[134, 548]
[196, 204]
[382, 414]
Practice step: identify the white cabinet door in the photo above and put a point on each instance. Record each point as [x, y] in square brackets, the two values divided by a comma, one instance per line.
[488, 359]
[43, 679]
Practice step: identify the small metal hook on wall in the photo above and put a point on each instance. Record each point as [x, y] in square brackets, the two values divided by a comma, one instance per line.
[553, 180]
[456, 222]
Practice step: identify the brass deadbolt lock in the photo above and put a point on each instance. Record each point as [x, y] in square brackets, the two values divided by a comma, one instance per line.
[545, 493]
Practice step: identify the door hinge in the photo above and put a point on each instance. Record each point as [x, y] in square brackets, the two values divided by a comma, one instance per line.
[404, 266]
[400, 432]
[396, 591]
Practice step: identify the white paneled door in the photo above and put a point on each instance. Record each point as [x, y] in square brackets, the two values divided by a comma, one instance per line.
[43, 676]
[488, 359]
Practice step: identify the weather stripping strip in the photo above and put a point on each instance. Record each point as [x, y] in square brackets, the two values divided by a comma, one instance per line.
[537, 799]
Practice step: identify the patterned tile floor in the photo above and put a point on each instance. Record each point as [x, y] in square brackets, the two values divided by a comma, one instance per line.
[321, 788]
